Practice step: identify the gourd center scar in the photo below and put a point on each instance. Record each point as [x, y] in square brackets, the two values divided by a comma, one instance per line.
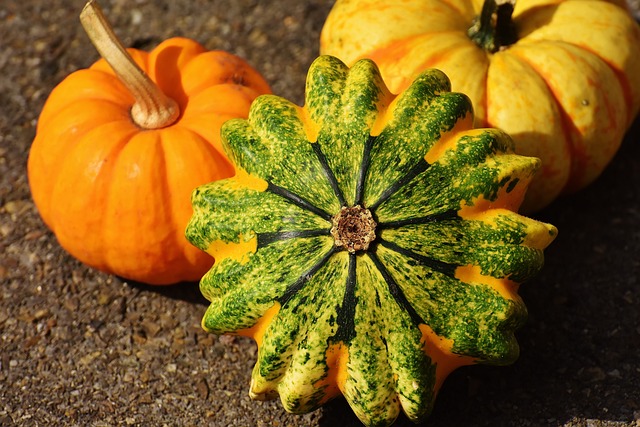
[353, 228]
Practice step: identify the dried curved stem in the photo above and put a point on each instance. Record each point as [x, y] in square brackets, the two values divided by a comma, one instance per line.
[152, 108]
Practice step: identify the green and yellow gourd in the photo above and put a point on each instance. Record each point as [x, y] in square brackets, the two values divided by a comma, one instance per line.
[369, 242]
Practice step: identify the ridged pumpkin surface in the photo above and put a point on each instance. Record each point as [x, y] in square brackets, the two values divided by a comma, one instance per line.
[368, 242]
[117, 195]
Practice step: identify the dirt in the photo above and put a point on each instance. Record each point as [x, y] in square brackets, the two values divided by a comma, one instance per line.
[78, 347]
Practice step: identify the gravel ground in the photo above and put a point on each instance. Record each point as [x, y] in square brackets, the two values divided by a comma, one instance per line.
[78, 347]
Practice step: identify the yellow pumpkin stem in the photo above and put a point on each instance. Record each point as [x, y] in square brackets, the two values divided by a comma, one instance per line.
[152, 108]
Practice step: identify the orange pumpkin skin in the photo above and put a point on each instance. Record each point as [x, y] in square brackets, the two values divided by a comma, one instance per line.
[566, 91]
[117, 196]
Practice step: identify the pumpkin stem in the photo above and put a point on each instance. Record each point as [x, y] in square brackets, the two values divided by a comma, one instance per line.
[152, 108]
[494, 29]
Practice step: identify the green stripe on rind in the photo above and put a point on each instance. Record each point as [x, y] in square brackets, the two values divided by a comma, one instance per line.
[346, 327]
[344, 140]
[388, 368]
[498, 250]
[447, 269]
[292, 357]
[413, 370]
[224, 211]
[477, 318]
[370, 385]
[272, 145]
[265, 239]
[420, 117]
[477, 167]
[241, 292]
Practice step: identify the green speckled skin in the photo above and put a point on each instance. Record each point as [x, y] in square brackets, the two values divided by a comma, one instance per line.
[355, 143]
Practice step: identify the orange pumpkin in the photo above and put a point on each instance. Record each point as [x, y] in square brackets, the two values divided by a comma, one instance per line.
[118, 153]
[562, 77]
